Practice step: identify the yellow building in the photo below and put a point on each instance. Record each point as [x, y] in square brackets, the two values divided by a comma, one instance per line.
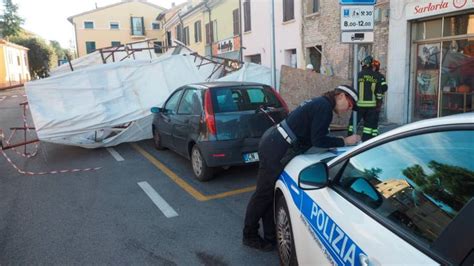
[208, 27]
[13, 64]
[225, 28]
[124, 22]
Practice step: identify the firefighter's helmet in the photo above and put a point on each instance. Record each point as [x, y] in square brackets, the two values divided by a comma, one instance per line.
[367, 62]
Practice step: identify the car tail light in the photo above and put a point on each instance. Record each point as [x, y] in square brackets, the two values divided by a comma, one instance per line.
[209, 113]
[281, 100]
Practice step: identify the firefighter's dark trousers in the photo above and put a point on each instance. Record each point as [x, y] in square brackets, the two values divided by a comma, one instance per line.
[370, 115]
[271, 150]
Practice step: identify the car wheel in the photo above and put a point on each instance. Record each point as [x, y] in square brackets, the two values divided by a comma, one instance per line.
[285, 240]
[157, 140]
[200, 168]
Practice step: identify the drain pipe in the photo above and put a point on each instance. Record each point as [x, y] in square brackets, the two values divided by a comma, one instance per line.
[211, 27]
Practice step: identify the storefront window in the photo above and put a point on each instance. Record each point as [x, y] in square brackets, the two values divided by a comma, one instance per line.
[457, 77]
[428, 29]
[444, 67]
[427, 80]
[459, 25]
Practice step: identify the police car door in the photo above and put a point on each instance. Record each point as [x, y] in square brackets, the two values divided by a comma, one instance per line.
[393, 203]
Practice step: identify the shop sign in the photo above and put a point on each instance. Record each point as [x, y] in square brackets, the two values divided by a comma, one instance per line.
[420, 9]
[225, 46]
[357, 18]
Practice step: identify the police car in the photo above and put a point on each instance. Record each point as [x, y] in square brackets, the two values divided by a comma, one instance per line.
[404, 197]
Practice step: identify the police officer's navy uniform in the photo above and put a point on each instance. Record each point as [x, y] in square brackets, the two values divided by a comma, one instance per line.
[306, 126]
[372, 86]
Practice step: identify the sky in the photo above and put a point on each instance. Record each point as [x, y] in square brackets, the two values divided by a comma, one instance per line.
[48, 18]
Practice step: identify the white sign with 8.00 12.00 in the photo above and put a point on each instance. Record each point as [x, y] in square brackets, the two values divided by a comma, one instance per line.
[357, 18]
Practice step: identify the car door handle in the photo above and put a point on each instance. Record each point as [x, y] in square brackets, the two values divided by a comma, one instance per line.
[364, 260]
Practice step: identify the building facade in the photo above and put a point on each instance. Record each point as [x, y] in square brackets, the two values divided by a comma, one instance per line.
[222, 29]
[431, 59]
[257, 37]
[124, 22]
[13, 64]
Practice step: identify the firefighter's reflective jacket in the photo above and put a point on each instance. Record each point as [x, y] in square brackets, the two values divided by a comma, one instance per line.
[372, 86]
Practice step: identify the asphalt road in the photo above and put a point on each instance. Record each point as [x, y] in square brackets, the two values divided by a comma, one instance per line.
[141, 207]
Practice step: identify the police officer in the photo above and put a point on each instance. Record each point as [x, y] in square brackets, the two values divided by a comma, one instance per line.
[372, 86]
[306, 126]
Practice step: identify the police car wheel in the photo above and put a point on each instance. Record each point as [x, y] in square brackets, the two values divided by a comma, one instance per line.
[157, 140]
[284, 233]
[201, 171]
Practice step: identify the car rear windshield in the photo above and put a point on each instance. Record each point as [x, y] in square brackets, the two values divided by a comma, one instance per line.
[234, 99]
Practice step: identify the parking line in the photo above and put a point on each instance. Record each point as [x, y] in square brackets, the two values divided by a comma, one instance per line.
[164, 207]
[115, 154]
[183, 184]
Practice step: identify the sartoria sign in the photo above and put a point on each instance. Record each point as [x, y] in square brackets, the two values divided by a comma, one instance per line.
[421, 9]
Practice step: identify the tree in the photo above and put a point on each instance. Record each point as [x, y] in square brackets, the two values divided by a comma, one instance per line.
[39, 55]
[12, 22]
[58, 50]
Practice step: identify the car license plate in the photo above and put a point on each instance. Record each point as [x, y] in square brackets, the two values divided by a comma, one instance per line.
[251, 157]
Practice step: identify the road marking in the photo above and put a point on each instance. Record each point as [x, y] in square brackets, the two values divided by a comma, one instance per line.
[183, 184]
[115, 154]
[164, 207]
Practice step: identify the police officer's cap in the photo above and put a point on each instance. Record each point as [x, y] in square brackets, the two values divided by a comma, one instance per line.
[350, 92]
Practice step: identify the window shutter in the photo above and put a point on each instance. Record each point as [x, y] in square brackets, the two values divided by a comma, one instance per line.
[195, 32]
[212, 31]
[208, 36]
[131, 25]
[143, 26]
[247, 18]
[236, 17]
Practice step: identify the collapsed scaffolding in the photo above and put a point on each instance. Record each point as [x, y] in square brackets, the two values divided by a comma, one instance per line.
[104, 99]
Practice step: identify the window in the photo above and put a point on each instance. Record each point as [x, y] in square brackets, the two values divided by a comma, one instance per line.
[256, 58]
[90, 47]
[26, 61]
[243, 99]
[115, 43]
[288, 10]
[88, 24]
[209, 33]
[190, 103]
[312, 6]
[197, 31]
[114, 26]
[290, 58]
[420, 183]
[137, 26]
[172, 103]
[155, 25]
[158, 47]
[186, 35]
[247, 17]
[315, 57]
[236, 20]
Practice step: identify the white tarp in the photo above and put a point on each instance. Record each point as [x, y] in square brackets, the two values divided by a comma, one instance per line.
[108, 104]
[82, 107]
[251, 72]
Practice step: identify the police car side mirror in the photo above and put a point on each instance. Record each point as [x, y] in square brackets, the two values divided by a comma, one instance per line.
[156, 110]
[314, 177]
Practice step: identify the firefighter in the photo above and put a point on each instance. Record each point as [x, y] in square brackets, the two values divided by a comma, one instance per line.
[372, 86]
[306, 126]
[379, 95]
